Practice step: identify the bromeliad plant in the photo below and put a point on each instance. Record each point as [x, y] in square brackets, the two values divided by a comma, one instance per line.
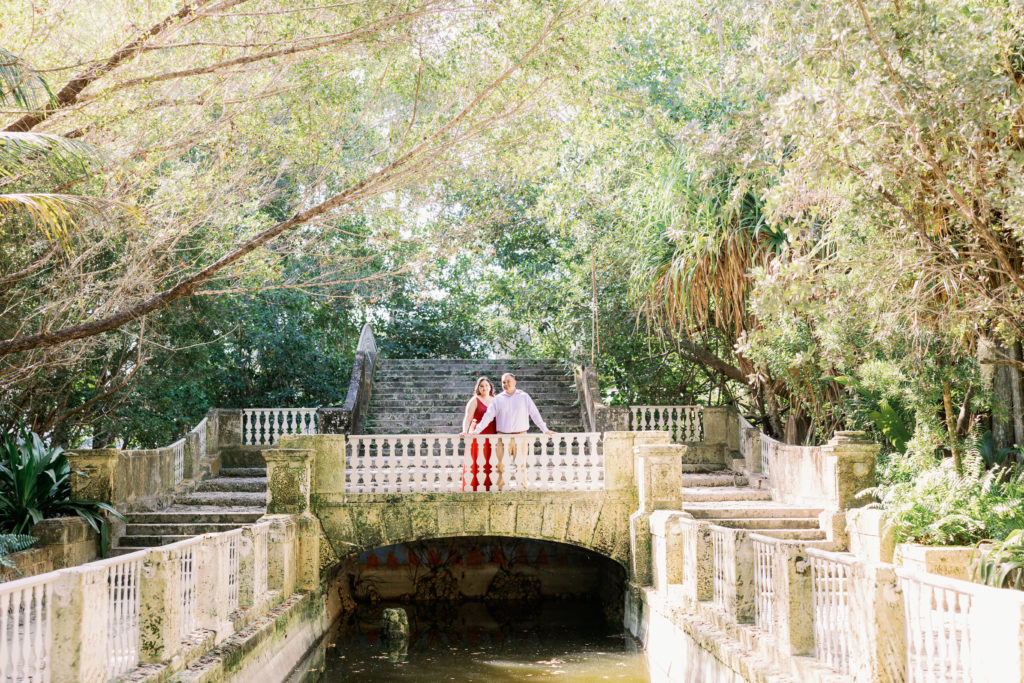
[35, 484]
[1003, 565]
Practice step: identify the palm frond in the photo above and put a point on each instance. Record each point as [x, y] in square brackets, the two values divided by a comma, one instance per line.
[18, 83]
[22, 153]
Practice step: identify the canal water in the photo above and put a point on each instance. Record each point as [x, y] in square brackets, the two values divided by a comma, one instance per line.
[564, 640]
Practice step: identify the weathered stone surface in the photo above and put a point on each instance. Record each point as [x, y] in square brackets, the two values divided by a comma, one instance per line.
[503, 519]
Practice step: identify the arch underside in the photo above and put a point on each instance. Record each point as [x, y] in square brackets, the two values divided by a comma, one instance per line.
[592, 521]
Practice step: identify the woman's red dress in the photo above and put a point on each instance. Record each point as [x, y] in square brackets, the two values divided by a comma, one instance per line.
[476, 471]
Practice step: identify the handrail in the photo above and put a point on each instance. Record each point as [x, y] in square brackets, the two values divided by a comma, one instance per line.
[361, 382]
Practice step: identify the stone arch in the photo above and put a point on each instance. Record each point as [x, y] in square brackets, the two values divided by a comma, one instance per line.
[593, 521]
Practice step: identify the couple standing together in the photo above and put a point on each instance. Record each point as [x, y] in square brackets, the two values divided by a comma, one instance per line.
[509, 412]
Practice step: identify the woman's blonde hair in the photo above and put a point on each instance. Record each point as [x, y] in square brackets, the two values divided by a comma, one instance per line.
[479, 381]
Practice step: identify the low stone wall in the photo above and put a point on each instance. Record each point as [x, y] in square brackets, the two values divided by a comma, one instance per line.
[148, 479]
[63, 542]
[829, 476]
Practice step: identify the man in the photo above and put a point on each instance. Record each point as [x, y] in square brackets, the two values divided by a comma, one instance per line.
[511, 411]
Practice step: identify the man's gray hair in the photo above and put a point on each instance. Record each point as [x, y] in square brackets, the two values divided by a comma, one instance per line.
[507, 374]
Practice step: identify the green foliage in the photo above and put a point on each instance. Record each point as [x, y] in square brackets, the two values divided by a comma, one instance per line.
[1002, 565]
[35, 484]
[927, 501]
[13, 543]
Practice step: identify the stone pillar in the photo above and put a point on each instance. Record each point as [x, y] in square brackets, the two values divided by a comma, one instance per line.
[659, 474]
[666, 548]
[212, 609]
[794, 620]
[739, 557]
[160, 606]
[877, 637]
[854, 454]
[611, 418]
[698, 560]
[289, 480]
[79, 653]
[281, 555]
[618, 461]
[100, 467]
[640, 547]
[996, 622]
[639, 522]
[229, 428]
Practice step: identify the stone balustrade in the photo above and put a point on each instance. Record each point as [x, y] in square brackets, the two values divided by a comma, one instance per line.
[165, 605]
[801, 607]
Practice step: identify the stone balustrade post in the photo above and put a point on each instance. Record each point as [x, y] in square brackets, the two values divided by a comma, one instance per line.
[100, 467]
[212, 607]
[229, 428]
[160, 608]
[721, 427]
[289, 480]
[854, 455]
[739, 557]
[650, 488]
[698, 560]
[248, 552]
[877, 634]
[659, 474]
[997, 652]
[666, 548]
[611, 418]
[794, 619]
[281, 561]
[618, 461]
[79, 630]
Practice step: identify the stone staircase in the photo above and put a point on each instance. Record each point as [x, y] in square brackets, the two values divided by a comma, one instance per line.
[428, 396]
[727, 499]
[236, 496]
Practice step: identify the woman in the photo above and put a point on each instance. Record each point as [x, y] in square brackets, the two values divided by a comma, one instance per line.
[474, 465]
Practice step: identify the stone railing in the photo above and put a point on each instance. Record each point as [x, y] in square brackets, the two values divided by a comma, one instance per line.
[684, 423]
[830, 607]
[143, 478]
[811, 611]
[103, 619]
[439, 463]
[263, 426]
[349, 418]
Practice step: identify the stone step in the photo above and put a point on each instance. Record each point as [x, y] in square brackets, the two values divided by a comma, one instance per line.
[746, 510]
[432, 413]
[242, 457]
[703, 467]
[140, 542]
[223, 498]
[199, 515]
[183, 529]
[767, 523]
[724, 494]
[714, 479]
[237, 484]
[795, 534]
[243, 472]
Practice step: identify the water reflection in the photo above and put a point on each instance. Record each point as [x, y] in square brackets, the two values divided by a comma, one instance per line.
[474, 641]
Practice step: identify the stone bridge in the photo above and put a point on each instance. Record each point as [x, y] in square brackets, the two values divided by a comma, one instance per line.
[307, 477]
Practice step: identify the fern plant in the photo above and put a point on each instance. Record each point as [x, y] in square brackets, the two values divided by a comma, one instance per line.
[35, 483]
[13, 543]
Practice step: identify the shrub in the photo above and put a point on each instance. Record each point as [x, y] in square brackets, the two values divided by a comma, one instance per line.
[35, 484]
